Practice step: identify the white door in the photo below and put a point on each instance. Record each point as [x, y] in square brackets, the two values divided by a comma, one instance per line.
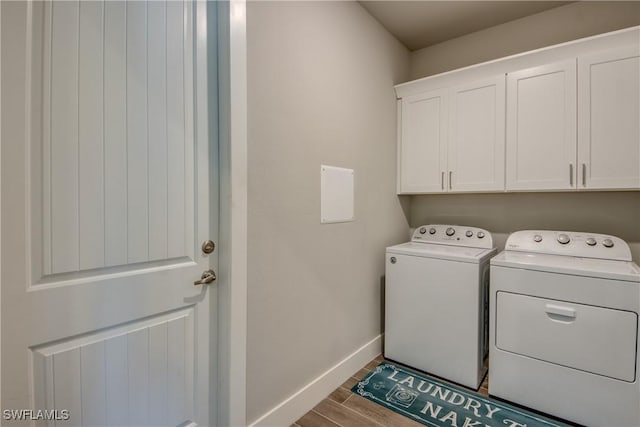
[609, 119]
[423, 147]
[105, 205]
[476, 139]
[541, 127]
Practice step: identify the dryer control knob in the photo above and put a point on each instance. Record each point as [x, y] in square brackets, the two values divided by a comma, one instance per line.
[591, 241]
[480, 234]
[469, 233]
[537, 238]
[607, 243]
[423, 230]
[563, 239]
[450, 231]
[432, 230]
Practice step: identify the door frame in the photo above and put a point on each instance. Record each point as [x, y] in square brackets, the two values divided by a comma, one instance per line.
[232, 175]
[0, 202]
[232, 140]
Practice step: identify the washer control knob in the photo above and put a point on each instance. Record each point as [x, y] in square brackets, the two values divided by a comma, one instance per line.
[469, 233]
[607, 243]
[432, 230]
[480, 234]
[450, 231]
[591, 241]
[423, 230]
[537, 238]
[563, 239]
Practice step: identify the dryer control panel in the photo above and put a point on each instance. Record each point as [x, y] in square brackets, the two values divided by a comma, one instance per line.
[458, 235]
[571, 243]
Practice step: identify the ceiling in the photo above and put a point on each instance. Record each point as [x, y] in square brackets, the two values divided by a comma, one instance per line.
[418, 24]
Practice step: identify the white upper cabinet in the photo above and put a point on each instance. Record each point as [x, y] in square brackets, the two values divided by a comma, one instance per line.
[609, 119]
[476, 138]
[453, 139]
[562, 118]
[541, 127]
[422, 151]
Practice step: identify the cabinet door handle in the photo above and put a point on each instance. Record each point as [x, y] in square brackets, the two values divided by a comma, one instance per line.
[450, 185]
[442, 180]
[570, 174]
[584, 174]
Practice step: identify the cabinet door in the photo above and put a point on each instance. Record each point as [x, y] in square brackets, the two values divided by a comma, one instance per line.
[476, 137]
[423, 156]
[609, 119]
[541, 127]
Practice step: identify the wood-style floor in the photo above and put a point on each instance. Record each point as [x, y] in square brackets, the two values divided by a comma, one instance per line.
[345, 409]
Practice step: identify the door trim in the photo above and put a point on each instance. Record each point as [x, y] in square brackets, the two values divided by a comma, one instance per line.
[0, 200]
[232, 286]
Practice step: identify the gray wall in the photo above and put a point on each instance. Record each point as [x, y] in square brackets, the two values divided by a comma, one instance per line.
[558, 25]
[320, 91]
[616, 213]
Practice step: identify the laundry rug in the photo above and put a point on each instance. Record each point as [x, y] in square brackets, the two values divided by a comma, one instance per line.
[433, 403]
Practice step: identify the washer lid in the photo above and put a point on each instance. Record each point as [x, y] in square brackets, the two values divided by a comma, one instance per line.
[563, 264]
[439, 251]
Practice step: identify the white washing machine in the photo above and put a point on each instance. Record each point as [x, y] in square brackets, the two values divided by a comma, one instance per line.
[564, 326]
[436, 302]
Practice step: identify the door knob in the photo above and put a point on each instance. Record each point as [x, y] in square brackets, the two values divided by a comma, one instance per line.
[207, 277]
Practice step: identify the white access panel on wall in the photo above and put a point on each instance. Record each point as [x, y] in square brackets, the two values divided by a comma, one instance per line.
[609, 119]
[541, 127]
[336, 194]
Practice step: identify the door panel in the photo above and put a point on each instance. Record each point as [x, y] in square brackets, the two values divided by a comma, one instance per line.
[63, 145]
[103, 180]
[608, 125]
[115, 134]
[137, 373]
[541, 128]
[99, 312]
[90, 130]
[423, 155]
[476, 143]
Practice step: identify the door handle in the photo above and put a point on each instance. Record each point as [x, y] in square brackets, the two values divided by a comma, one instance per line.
[570, 174]
[558, 310]
[450, 185]
[207, 277]
[442, 180]
[584, 174]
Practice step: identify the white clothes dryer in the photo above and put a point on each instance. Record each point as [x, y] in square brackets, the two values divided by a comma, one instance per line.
[436, 302]
[564, 326]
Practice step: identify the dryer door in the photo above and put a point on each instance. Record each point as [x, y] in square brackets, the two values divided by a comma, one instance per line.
[585, 337]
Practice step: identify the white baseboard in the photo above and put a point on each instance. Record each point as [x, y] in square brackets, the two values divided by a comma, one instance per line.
[301, 402]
